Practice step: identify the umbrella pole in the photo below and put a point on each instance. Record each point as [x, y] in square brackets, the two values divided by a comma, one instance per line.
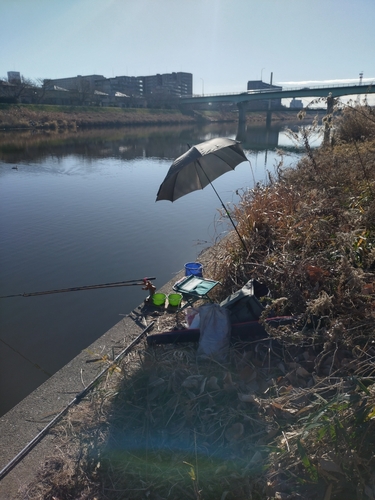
[224, 207]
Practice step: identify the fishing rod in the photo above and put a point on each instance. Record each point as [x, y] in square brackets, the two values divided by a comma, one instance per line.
[115, 284]
[74, 401]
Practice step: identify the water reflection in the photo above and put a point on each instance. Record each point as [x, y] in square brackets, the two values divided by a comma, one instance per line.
[81, 210]
[166, 142]
[259, 138]
[266, 138]
[126, 143]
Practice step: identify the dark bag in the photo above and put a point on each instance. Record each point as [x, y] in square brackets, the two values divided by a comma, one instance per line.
[244, 305]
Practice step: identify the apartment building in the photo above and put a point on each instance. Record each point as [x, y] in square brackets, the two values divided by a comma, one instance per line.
[168, 84]
[131, 86]
[77, 83]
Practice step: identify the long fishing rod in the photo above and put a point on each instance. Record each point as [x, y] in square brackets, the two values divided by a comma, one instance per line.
[115, 284]
[74, 401]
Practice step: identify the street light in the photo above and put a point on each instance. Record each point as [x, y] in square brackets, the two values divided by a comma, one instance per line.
[202, 86]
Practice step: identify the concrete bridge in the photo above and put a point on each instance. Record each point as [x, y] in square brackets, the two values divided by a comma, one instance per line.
[241, 99]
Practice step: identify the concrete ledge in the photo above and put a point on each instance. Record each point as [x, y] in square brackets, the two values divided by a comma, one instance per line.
[23, 422]
[29, 417]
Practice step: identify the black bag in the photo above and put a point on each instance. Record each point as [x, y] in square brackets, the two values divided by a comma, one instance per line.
[244, 305]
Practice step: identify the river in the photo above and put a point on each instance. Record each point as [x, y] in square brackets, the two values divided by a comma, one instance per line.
[79, 209]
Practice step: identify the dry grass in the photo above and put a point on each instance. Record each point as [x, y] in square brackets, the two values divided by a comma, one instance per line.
[73, 118]
[286, 418]
[45, 117]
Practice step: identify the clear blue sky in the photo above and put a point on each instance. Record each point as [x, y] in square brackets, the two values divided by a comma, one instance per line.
[223, 43]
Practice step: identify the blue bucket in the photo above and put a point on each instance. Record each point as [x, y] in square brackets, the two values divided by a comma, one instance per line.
[194, 268]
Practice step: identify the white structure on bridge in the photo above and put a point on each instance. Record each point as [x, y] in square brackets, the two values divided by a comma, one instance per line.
[296, 103]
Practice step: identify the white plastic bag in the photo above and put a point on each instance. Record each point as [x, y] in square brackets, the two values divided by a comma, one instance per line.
[215, 331]
[195, 323]
[192, 317]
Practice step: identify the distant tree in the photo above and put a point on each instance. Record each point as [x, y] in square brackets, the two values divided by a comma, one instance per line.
[82, 91]
[17, 91]
[5, 94]
[41, 85]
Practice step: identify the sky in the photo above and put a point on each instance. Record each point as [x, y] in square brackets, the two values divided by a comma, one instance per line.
[223, 43]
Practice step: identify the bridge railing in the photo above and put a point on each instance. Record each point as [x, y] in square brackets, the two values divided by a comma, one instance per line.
[284, 89]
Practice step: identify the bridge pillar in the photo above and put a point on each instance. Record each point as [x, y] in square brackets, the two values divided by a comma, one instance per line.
[242, 111]
[327, 126]
[241, 131]
[269, 118]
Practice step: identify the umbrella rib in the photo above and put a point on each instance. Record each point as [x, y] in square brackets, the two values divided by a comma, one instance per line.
[174, 185]
[217, 156]
[199, 180]
[197, 171]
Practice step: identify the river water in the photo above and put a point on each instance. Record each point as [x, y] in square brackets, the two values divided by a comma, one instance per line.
[79, 209]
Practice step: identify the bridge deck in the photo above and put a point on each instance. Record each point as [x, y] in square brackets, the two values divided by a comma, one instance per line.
[265, 94]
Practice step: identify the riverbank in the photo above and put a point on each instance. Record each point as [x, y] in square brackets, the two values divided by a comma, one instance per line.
[289, 418]
[23, 423]
[46, 117]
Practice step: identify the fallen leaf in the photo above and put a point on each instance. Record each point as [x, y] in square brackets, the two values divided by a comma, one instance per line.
[248, 374]
[234, 432]
[246, 398]
[228, 384]
[302, 372]
[328, 492]
[203, 386]
[212, 384]
[155, 381]
[192, 382]
[257, 457]
[369, 492]
[329, 465]
[220, 469]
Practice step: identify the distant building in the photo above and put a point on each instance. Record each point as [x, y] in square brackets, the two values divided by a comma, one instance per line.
[296, 103]
[168, 84]
[7, 92]
[131, 86]
[260, 84]
[79, 83]
[257, 85]
[14, 77]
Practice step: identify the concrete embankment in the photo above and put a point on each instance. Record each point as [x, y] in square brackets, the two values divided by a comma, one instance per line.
[28, 418]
